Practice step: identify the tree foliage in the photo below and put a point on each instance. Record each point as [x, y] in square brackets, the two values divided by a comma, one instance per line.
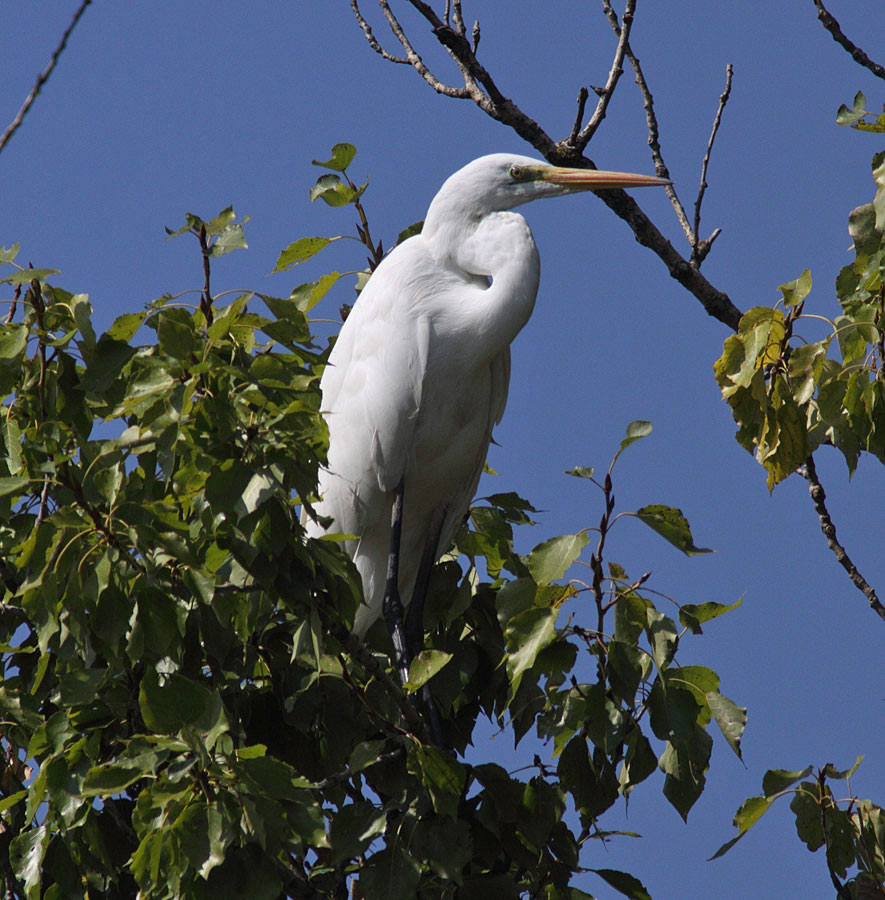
[185, 711]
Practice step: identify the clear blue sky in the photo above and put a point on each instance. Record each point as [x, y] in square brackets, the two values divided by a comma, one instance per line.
[159, 107]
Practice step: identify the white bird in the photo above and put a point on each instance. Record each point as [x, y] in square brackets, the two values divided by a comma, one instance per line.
[419, 374]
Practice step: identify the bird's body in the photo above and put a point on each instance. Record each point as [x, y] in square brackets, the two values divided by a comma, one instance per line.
[419, 374]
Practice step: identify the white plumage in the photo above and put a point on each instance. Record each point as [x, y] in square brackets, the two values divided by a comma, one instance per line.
[419, 374]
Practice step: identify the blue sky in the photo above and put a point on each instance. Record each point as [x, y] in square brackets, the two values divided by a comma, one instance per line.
[158, 108]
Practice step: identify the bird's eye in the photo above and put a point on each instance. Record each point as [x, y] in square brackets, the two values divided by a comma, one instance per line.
[516, 172]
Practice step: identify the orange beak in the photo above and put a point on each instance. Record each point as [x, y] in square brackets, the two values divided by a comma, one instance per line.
[596, 179]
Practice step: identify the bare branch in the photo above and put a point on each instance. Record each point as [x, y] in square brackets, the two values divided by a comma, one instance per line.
[699, 248]
[42, 78]
[716, 303]
[651, 121]
[480, 87]
[373, 41]
[572, 140]
[818, 499]
[615, 72]
[856, 53]
[458, 18]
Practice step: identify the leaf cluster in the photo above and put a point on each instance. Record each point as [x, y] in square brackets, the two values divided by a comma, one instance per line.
[789, 395]
[849, 830]
[185, 713]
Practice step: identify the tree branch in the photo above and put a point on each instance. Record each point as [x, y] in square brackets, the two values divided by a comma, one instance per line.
[699, 248]
[651, 121]
[856, 53]
[481, 88]
[606, 93]
[818, 499]
[42, 78]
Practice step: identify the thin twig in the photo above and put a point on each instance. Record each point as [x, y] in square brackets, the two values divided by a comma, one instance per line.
[15, 298]
[206, 296]
[615, 72]
[651, 122]
[373, 41]
[699, 248]
[856, 53]
[37, 303]
[44, 500]
[358, 651]
[42, 78]
[572, 139]
[818, 499]
[481, 88]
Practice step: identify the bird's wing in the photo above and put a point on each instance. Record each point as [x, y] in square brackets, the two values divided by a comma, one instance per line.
[500, 369]
[373, 384]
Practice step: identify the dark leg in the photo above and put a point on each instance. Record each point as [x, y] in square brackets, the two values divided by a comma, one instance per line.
[392, 607]
[415, 613]
[415, 632]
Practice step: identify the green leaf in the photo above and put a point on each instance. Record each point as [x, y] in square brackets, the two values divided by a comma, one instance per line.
[783, 443]
[672, 525]
[11, 800]
[125, 326]
[220, 223]
[663, 637]
[624, 883]
[580, 472]
[26, 276]
[175, 331]
[526, 634]
[409, 231]
[841, 774]
[776, 780]
[13, 341]
[7, 256]
[352, 830]
[550, 560]
[342, 157]
[300, 251]
[391, 874]
[231, 238]
[442, 775]
[331, 189]
[794, 292]
[13, 484]
[112, 778]
[365, 754]
[684, 761]
[107, 363]
[748, 814]
[424, 666]
[180, 703]
[26, 852]
[635, 430]
[306, 296]
[807, 810]
[840, 840]
[692, 616]
[850, 117]
[730, 718]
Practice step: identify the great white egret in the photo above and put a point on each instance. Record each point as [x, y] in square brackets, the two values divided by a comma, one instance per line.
[418, 376]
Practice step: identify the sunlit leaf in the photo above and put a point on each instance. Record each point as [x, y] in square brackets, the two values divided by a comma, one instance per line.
[672, 525]
[342, 157]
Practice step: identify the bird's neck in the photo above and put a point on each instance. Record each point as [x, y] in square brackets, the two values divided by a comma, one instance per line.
[497, 256]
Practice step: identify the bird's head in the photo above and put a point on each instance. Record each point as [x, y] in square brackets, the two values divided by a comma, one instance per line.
[502, 181]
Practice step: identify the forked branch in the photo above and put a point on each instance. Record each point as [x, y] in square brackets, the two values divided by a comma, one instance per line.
[699, 248]
[480, 87]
